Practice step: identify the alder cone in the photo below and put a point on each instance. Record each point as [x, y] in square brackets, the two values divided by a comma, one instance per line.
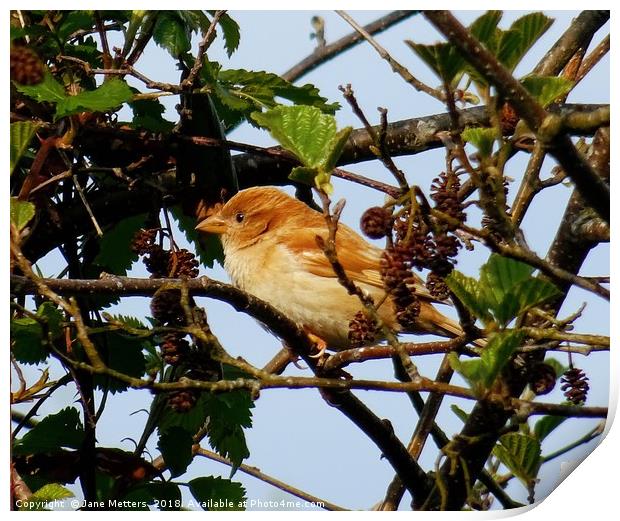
[26, 66]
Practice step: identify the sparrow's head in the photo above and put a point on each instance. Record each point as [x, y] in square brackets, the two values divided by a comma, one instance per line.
[252, 215]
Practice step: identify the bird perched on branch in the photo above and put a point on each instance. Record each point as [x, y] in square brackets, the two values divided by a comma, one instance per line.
[271, 251]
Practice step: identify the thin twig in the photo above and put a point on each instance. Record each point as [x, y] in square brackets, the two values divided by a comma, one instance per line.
[399, 69]
[207, 39]
[329, 51]
[592, 59]
[89, 210]
[253, 471]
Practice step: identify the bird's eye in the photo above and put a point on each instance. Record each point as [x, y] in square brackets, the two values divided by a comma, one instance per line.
[239, 217]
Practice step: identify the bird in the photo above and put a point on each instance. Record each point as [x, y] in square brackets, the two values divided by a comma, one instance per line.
[271, 252]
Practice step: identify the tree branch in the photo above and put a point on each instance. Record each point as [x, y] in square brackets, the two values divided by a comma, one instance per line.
[329, 51]
[547, 127]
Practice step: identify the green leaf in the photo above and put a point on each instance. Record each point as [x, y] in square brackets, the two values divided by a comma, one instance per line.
[499, 275]
[111, 94]
[218, 494]
[482, 138]
[547, 89]
[303, 174]
[172, 34]
[63, 429]
[46, 494]
[22, 213]
[190, 421]
[52, 317]
[481, 373]
[208, 246]
[48, 90]
[443, 58]
[546, 425]
[21, 135]
[74, 21]
[519, 38]
[336, 147]
[231, 32]
[229, 414]
[468, 291]
[484, 29]
[530, 293]
[147, 114]
[122, 353]
[115, 254]
[303, 130]
[132, 322]
[460, 413]
[27, 345]
[175, 445]
[521, 455]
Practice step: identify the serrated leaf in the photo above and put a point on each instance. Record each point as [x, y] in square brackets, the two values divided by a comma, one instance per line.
[111, 94]
[74, 21]
[500, 274]
[147, 114]
[128, 320]
[63, 429]
[22, 213]
[115, 254]
[482, 138]
[531, 292]
[547, 89]
[27, 345]
[305, 131]
[175, 445]
[443, 58]
[48, 90]
[52, 317]
[171, 34]
[546, 425]
[122, 353]
[229, 413]
[302, 174]
[46, 494]
[521, 455]
[467, 289]
[522, 34]
[208, 246]
[336, 147]
[22, 133]
[217, 494]
[231, 32]
[484, 29]
[190, 421]
[481, 373]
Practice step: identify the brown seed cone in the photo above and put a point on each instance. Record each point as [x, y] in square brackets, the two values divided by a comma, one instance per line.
[143, 241]
[445, 193]
[575, 385]
[26, 67]
[182, 400]
[182, 264]
[542, 378]
[376, 222]
[174, 349]
[362, 330]
[509, 119]
[166, 307]
[408, 316]
[437, 286]
[157, 261]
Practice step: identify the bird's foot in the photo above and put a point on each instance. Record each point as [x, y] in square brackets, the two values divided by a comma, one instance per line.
[319, 344]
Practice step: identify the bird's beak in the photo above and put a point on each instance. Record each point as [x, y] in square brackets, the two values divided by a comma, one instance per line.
[213, 224]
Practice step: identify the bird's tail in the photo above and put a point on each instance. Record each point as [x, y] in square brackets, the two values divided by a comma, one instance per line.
[436, 322]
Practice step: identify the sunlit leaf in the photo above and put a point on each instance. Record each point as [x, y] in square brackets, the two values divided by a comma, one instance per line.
[21, 135]
[111, 94]
[22, 213]
[547, 89]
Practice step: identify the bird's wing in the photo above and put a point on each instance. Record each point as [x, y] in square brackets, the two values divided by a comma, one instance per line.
[360, 260]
